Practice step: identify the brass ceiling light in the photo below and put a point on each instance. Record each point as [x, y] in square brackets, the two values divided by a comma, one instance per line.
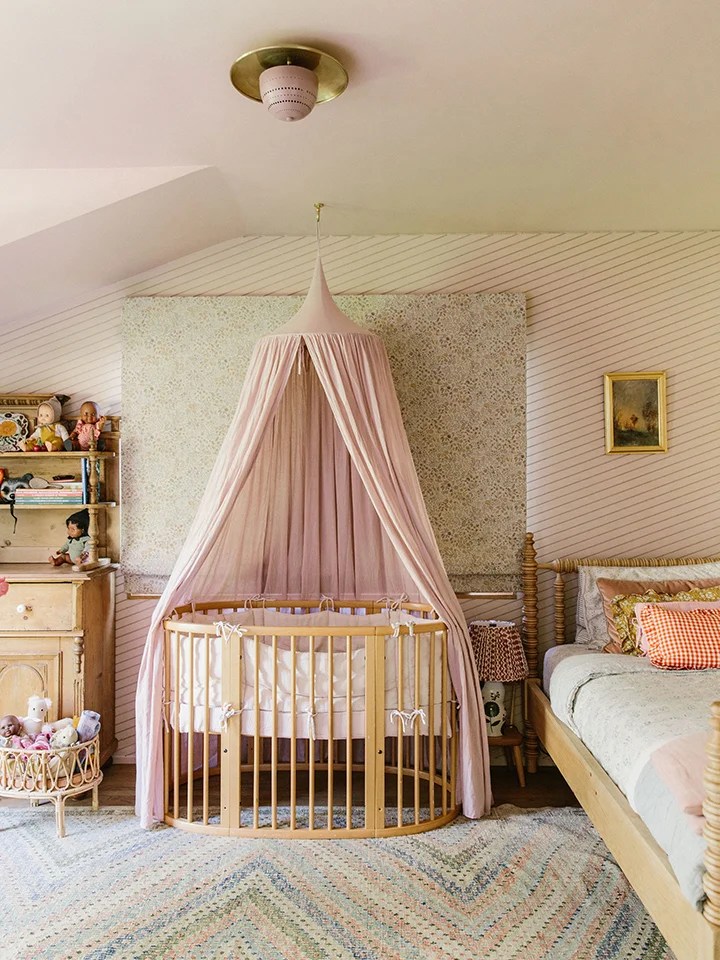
[289, 79]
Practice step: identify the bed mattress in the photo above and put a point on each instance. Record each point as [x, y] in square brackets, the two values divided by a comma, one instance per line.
[624, 710]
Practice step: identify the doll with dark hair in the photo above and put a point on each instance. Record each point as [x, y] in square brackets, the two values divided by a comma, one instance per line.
[76, 547]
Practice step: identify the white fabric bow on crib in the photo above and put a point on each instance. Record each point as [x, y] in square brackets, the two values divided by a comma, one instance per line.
[311, 722]
[396, 624]
[226, 630]
[228, 711]
[408, 717]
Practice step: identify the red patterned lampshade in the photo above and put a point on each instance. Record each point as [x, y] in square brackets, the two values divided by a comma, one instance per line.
[498, 650]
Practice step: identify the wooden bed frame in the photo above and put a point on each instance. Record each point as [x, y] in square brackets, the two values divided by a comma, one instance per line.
[691, 934]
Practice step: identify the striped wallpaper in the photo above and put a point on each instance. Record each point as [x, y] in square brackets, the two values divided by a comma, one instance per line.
[597, 302]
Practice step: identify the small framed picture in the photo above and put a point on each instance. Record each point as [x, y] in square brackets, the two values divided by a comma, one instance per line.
[635, 413]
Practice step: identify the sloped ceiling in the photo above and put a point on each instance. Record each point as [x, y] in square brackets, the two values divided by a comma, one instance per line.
[124, 142]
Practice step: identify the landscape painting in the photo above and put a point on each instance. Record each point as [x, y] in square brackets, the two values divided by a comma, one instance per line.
[635, 415]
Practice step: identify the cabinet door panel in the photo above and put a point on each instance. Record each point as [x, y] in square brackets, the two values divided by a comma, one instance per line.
[24, 675]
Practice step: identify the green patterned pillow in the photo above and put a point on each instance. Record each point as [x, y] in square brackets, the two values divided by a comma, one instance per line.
[623, 611]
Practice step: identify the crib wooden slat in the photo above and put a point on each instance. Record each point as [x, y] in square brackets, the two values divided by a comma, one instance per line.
[293, 733]
[274, 742]
[166, 721]
[401, 707]
[431, 728]
[348, 734]
[311, 740]
[206, 736]
[191, 727]
[176, 732]
[256, 741]
[443, 718]
[416, 757]
[453, 745]
[230, 736]
[378, 643]
[331, 742]
[370, 739]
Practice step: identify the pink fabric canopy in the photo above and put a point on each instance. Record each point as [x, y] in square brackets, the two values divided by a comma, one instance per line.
[314, 492]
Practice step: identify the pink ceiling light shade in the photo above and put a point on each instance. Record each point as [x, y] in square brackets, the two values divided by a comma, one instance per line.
[289, 92]
[288, 78]
[498, 649]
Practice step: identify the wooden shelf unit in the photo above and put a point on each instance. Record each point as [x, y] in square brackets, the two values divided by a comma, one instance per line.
[57, 624]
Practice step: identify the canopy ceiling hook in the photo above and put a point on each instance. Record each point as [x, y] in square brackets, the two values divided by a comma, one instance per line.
[318, 207]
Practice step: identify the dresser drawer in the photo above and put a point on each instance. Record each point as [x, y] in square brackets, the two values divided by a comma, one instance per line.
[38, 606]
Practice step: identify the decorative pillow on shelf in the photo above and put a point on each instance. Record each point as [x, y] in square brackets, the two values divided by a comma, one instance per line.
[682, 639]
[623, 609]
[591, 623]
[610, 590]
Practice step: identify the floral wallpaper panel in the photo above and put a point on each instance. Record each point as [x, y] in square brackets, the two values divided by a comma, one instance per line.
[458, 362]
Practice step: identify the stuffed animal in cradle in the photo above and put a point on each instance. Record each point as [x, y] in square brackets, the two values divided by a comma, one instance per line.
[38, 708]
[36, 720]
[88, 725]
[63, 738]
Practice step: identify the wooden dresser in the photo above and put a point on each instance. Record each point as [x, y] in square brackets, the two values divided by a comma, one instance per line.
[57, 640]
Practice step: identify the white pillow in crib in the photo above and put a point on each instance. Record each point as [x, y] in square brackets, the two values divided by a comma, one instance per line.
[590, 615]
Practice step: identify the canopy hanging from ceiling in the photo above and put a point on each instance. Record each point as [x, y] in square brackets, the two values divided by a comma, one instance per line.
[314, 492]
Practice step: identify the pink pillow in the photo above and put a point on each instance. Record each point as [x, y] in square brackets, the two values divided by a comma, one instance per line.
[642, 640]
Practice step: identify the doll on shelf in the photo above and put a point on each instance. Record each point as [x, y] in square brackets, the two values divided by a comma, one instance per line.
[88, 426]
[49, 434]
[76, 548]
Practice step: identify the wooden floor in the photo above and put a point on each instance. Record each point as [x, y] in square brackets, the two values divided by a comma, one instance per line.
[546, 788]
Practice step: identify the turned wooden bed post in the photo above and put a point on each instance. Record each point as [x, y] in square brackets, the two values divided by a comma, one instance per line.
[530, 635]
[711, 810]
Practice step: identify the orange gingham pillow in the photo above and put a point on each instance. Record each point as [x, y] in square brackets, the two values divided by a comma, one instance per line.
[681, 639]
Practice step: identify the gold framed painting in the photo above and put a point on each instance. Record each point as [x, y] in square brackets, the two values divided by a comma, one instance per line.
[635, 412]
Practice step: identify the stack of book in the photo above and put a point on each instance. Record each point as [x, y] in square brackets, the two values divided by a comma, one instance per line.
[67, 492]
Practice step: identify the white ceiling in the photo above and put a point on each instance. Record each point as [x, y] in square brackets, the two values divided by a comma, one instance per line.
[124, 141]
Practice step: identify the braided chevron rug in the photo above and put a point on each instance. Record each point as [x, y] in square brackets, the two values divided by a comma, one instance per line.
[519, 885]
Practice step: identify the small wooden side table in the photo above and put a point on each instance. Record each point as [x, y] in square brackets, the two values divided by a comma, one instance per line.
[511, 740]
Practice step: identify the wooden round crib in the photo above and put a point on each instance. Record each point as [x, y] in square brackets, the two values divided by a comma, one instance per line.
[308, 719]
